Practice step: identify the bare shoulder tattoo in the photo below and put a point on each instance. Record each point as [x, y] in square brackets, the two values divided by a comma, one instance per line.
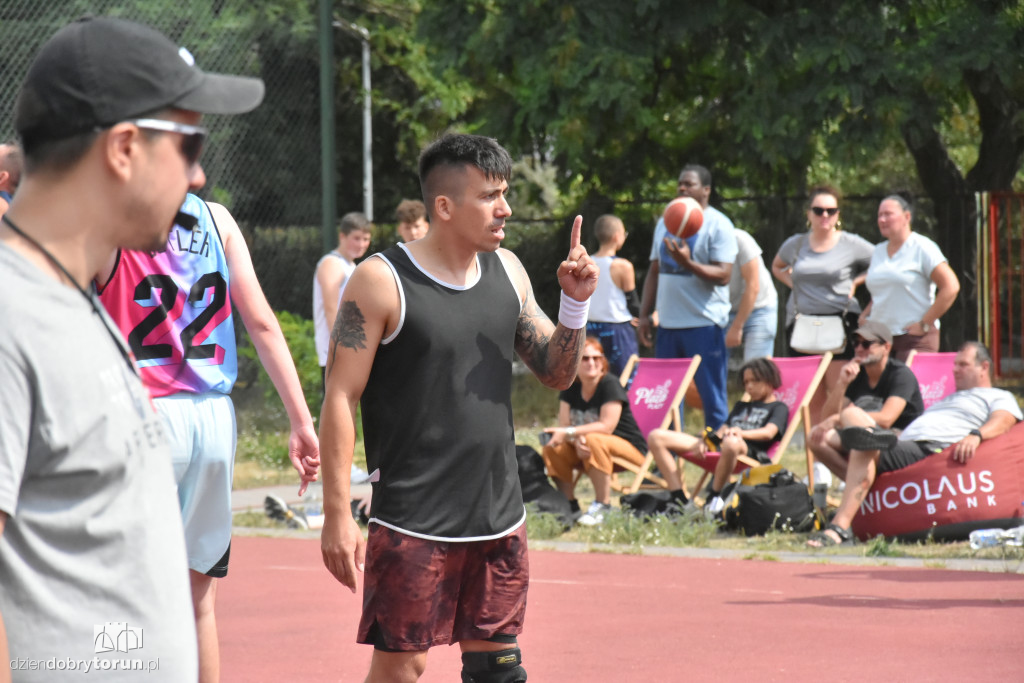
[349, 328]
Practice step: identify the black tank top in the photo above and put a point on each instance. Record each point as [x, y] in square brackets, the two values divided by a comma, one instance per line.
[437, 411]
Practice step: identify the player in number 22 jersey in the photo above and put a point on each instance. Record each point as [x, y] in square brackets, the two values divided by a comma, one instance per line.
[176, 312]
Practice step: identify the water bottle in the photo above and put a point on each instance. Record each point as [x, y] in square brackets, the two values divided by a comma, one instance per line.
[312, 504]
[988, 538]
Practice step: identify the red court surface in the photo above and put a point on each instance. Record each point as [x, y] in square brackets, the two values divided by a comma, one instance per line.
[600, 617]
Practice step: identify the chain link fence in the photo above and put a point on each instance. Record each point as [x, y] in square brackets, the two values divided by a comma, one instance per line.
[265, 165]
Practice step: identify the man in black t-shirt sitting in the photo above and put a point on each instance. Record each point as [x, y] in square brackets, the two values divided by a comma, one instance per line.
[871, 385]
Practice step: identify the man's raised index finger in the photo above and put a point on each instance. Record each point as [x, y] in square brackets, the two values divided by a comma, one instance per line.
[574, 236]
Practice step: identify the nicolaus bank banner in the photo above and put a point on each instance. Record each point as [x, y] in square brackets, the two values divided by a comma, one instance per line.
[948, 499]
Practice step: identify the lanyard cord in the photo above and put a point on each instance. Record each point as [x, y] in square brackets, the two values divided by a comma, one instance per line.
[115, 336]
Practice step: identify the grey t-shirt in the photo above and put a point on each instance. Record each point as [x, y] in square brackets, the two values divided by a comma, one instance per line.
[92, 559]
[749, 250]
[953, 418]
[822, 281]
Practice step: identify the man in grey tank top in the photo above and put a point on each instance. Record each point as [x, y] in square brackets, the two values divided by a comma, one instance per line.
[424, 338]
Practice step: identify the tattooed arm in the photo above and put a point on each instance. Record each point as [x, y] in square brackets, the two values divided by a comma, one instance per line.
[552, 351]
[367, 313]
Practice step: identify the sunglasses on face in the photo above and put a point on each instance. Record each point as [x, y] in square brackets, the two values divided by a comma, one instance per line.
[596, 359]
[822, 211]
[863, 343]
[193, 137]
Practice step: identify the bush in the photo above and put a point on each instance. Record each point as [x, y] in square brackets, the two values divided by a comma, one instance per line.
[299, 334]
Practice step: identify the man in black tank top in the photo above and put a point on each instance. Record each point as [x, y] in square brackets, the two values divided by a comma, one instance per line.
[424, 339]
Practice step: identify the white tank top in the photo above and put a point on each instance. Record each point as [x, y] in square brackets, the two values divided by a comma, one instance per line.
[323, 334]
[608, 304]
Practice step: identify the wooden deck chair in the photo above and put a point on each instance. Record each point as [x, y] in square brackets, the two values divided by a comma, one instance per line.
[656, 387]
[934, 372]
[800, 379]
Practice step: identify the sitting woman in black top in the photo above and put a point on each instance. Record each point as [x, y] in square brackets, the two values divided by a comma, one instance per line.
[751, 428]
[594, 424]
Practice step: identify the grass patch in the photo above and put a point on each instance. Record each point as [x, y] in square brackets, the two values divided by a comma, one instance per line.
[256, 520]
[622, 528]
[262, 460]
[542, 525]
[879, 547]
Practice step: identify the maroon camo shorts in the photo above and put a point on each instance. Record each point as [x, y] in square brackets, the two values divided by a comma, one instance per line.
[419, 593]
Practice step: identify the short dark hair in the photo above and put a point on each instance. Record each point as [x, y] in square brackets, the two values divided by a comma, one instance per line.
[764, 370]
[62, 153]
[981, 354]
[455, 151]
[58, 155]
[353, 221]
[604, 227]
[703, 174]
[410, 211]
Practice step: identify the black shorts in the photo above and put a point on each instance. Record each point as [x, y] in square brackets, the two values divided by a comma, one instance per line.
[905, 453]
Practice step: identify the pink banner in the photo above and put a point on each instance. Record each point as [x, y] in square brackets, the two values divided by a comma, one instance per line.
[946, 497]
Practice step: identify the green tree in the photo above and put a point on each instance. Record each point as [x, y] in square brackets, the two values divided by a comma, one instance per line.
[619, 95]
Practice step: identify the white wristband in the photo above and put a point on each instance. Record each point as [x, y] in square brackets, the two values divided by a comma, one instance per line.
[573, 314]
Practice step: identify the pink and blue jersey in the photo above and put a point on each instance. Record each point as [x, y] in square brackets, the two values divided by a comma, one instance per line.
[174, 308]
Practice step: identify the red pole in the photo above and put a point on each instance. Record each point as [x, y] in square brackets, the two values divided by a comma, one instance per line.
[1020, 279]
[993, 283]
[1008, 290]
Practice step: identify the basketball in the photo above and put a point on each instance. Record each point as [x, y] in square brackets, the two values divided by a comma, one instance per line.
[683, 217]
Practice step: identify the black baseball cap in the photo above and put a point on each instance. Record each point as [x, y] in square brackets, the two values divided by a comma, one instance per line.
[99, 71]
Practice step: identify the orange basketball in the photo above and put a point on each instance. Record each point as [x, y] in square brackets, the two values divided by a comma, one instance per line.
[683, 217]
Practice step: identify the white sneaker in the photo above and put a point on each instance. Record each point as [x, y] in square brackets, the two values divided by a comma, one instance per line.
[822, 475]
[714, 507]
[594, 514]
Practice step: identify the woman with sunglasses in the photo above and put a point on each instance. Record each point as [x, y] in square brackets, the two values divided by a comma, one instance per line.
[594, 424]
[911, 282]
[823, 267]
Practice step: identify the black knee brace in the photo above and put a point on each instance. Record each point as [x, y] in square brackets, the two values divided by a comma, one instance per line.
[502, 666]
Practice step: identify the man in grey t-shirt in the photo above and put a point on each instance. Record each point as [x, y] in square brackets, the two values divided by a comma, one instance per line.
[92, 556]
[975, 412]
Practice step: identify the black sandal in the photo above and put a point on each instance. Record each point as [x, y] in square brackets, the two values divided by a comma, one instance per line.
[820, 539]
[867, 438]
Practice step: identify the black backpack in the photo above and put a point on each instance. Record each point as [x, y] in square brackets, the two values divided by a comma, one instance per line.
[646, 503]
[783, 503]
[537, 488]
